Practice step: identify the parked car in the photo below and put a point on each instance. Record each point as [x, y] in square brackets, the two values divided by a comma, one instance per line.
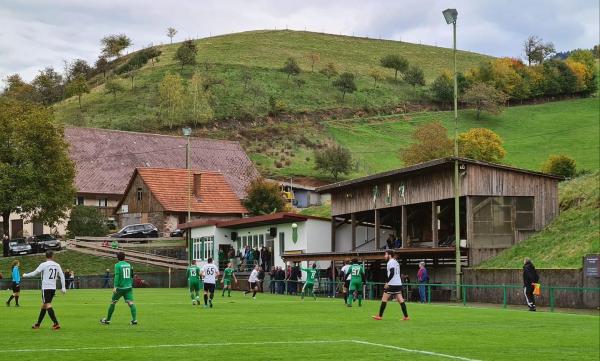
[19, 246]
[177, 233]
[145, 230]
[44, 242]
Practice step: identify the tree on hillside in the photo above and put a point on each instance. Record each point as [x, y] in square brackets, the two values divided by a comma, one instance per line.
[263, 197]
[113, 85]
[430, 141]
[186, 53]
[313, 58]
[102, 65]
[291, 67]
[334, 160]
[198, 100]
[414, 76]
[16, 88]
[78, 86]
[113, 45]
[396, 62]
[345, 84]
[562, 165]
[49, 86]
[536, 51]
[36, 173]
[442, 89]
[171, 97]
[377, 75]
[171, 33]
[330, 70]
[485, 98]
[78, 67]
[481, 144]
[86, 221]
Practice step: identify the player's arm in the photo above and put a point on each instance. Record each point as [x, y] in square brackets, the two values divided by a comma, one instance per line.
[62, 279]
[117, 280]
[391, 275]
[234, 277]
[37, 271]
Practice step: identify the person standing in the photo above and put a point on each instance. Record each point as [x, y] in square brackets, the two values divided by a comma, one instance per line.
[106, 279]
[5, 246]
[15, 284]
[272, 280]
[123, 287]
[193, 277]
[309, 285]
[423, 278]
[210, 272]
[50, 271]
[253, 282]
[331, 278]
[393, 286]
[228, 277]
[530, 277]
[345, 276]
[357, 279]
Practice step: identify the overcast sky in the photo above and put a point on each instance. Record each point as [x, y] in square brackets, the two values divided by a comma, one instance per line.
[39, 33]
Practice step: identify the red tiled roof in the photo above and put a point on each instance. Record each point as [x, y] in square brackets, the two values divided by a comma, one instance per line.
[170, 188]
[275, 218]
[105, 159]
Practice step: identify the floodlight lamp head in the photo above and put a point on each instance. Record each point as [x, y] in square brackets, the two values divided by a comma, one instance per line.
[450, 15]
[187, 131]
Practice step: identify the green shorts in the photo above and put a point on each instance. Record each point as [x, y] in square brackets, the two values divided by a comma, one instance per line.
[126, 293]
[355, 286]
[194, 285]
[226, 283]
[309, 286]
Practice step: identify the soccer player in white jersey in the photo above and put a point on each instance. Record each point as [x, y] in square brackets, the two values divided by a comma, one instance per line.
[393, 286]
[50, 271]
[210, 272]
[253, 282]
[346, 276]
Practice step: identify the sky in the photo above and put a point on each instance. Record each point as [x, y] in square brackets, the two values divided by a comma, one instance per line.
[39, 33]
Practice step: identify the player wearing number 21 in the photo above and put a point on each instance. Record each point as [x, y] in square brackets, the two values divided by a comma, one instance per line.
[50, 270]
[123, 288]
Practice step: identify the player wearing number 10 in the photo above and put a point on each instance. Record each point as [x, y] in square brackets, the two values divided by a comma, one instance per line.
[123, 288]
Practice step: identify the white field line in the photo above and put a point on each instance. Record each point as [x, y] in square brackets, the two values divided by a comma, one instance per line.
[261, 343]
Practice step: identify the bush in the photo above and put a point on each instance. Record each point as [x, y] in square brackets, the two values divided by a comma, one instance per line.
[560, 165]
[138, 60]
[86, 221]
[481, 144]
[263, 197]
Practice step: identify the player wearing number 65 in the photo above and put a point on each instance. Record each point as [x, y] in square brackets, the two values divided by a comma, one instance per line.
[123, 288]
[50, 270]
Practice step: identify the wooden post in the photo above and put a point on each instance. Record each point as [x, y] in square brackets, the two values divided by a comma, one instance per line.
[377, 233]
[469, 210]
[353, 221]
[434, 224]
[333, 228]
[405, 240]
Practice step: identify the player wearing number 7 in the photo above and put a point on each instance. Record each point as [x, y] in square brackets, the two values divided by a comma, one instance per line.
[123, 288]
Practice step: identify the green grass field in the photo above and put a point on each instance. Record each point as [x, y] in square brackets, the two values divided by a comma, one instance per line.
[284, 328]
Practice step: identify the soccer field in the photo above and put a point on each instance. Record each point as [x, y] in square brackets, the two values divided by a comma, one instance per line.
[283, 327]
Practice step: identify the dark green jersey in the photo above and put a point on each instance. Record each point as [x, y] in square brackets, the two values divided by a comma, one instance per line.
[123, 275]
[193, 273]
[228, 274]
[310, 274]
[356, 272]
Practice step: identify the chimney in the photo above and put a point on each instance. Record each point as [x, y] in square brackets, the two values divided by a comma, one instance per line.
[197, 184]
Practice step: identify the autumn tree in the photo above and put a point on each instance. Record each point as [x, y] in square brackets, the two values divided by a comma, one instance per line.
[536, 50]
[396, 62]
[113, 45]
[186, 53]
[485, 98]
[313, 58]
[330, 70]
[198, 100]
[171, 97]
[171, 33]
[377, 75]
[430, 141]
[102, 65]
[562, 165]
[345, 84]
[18, 89]
[113, 85]
[291, 67]
[77, 87]
[481, 144]
[263, 197]
[334, 160]
[414, 76]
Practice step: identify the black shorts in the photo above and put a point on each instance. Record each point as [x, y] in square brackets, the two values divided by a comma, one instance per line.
[209, 287]
[15, 287]
[347, 284]
[47, 296]
[393, 290]
[253, 285]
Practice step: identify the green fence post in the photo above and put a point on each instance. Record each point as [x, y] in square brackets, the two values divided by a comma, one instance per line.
[428, 293]
[464, 294]
[504, 296]
[551, 289]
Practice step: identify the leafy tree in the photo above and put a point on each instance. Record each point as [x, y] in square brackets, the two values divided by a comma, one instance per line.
[485, 98]
[345, 83]
[49, 86]
[430, 141]
[171, 97]
[171, 33]
[536, 51]
[396, 62]
[112, 85]
[562, 165]
[481, 144]
[113, 45]
[291, 67]
[313, 58]
[414, 76]
[330, 70]
[102, 65]
[16, 88]
[78, 67]
[377, 75]
[86, 221]
[583, 56]
[334, 160]
[263, 197]
[199, 100]
[78, 86]
[36, 173]
[186, 53]
[442, 88]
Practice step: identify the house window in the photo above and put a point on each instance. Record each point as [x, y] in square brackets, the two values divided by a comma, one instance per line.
[139, 194]
[255, 242]
[281, 243]
[203, 248]
[78, 201]
[103, 202]
[525, 219]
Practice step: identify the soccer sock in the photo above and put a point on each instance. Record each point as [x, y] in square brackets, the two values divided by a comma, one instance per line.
[345, 297]
[133, 310]
[205, 299]
[350, 298]
[404, 311]
[17, 300]
[229, 292]
[212, 295]
[41, 316]
[254, 293]
[192, 295]
[52, 315]
[10, 298]
[111, 309]
[360, 298]
[223, 293]
[382, 308]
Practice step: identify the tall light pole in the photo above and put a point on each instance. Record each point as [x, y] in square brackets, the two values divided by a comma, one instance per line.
[451, 15]
[187, 132]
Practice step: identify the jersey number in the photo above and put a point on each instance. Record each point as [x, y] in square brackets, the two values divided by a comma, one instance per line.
[356, 271]
[53, 273]
[126, 272]
[193, 272]
[210, 271]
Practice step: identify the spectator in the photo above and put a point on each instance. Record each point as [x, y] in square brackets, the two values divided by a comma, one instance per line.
[390, 241]
[281, 281]
[139, 282]
[105, 243]
[406, 284]
[423, 278]
[272, 282]
[295, 276]
[256, 256]
[261, 279]
[331, 280]
[5, 245]
[71, 280]
[530, 277]
[398, 243]
[67, 278]
[250, 259]
[106, 279]
[265, 257]
[114, 244]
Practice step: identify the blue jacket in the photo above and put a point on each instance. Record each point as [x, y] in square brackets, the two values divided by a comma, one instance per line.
[16, 275]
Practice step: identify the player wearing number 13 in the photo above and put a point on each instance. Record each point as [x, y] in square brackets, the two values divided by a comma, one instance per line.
[123, 288]
[193, 276]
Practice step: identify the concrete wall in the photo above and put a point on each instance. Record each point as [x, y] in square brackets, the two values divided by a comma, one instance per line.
[343, 238]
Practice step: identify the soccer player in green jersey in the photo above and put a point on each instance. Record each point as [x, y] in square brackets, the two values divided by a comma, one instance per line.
[123, 288]
[357, 274]
[228, 275]
[193, 276]
[310, 281]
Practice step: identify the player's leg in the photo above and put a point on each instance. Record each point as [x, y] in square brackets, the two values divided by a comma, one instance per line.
[205, 295]
[211, 294]
[229, 290]
[359, 294]
[128, 297]
[302, 293]
[345, 291]
[402, 305]
[111, 308]
[224, 288]
[384, 300]
[42, 313]
[255, 290]
[350, 295]
[312, 291]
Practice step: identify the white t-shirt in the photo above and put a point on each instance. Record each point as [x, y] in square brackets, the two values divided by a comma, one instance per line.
[253, 276]
[392, 264]
[50, 271]
[210, 273]
[344, 270]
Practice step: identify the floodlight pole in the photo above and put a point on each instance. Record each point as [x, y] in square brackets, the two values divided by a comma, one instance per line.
[187, 132]
[456, 176]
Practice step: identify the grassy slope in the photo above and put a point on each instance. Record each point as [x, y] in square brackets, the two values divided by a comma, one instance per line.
[530, 134]
[572, 235]
[318, 211]
[238, 327]
[262, 53]
[81, 264]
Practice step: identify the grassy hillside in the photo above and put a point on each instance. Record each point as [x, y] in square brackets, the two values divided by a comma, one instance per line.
[566, 240]
[261, 54]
